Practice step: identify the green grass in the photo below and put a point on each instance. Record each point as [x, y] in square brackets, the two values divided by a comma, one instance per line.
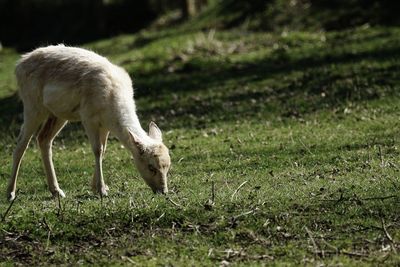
[298, 133]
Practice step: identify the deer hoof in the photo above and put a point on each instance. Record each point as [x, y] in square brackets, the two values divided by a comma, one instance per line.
[11, 196]
[58, 192]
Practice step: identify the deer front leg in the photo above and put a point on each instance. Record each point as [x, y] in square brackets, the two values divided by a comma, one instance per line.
[97, 181]
[97, 138]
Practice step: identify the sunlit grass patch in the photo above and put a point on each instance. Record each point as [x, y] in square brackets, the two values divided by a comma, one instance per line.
[284, 151]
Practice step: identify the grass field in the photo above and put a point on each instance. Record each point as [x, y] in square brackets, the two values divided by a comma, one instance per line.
[285, 151]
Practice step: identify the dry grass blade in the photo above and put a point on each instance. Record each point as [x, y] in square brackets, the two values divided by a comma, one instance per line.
[237, 189]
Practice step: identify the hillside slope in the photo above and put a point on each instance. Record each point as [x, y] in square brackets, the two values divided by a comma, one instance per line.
[277, 15]
[284, 150]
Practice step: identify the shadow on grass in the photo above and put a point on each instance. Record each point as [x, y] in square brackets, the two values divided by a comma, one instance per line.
[325, 81]
[223, 91]
[10, 114]
[128, 230]
[206, 73]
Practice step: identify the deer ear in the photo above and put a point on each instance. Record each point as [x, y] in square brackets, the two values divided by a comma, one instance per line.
[135, 141]
[155, 132]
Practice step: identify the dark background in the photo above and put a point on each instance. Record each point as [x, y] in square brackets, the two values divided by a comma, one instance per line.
[25, 24]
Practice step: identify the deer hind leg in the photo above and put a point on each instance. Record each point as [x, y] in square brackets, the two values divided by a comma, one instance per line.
[45, 139]
[98, 139]
[32, 121]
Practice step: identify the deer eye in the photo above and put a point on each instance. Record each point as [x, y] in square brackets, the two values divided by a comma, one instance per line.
[152, 169]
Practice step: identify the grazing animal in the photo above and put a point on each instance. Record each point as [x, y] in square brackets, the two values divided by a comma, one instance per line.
[58, 84]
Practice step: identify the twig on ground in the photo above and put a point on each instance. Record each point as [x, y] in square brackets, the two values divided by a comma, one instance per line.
[9, 207]
[101, 199]
[128, 259]
[173, 202]
[330, 245]
[237, 189]
[343, 252]
[306, 147]
[49, 231]
[262, 257]
[59, 212]
[361, 199]
[239, 254]
[381, 156]
[379, 198]
[46, 224]
[388, 236]
[213, 192]
[211, 202]
[210, 251]
[338, 251]
[244, 214]
[159, 218]
[352, 253]
[316, 249]
[48, 240]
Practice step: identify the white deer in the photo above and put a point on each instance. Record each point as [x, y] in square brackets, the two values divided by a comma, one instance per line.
[58, 84]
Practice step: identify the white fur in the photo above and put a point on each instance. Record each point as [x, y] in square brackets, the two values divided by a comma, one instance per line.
[59, 84]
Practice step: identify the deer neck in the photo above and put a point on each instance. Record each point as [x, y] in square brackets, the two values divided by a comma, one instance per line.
[130, 124]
